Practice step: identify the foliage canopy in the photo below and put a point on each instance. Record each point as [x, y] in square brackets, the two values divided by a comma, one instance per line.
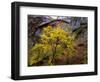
[53, 42]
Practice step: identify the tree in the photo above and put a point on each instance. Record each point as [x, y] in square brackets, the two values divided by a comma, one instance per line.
[53, 41]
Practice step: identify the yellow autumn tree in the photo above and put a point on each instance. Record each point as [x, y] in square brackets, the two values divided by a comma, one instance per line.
[53, 42]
